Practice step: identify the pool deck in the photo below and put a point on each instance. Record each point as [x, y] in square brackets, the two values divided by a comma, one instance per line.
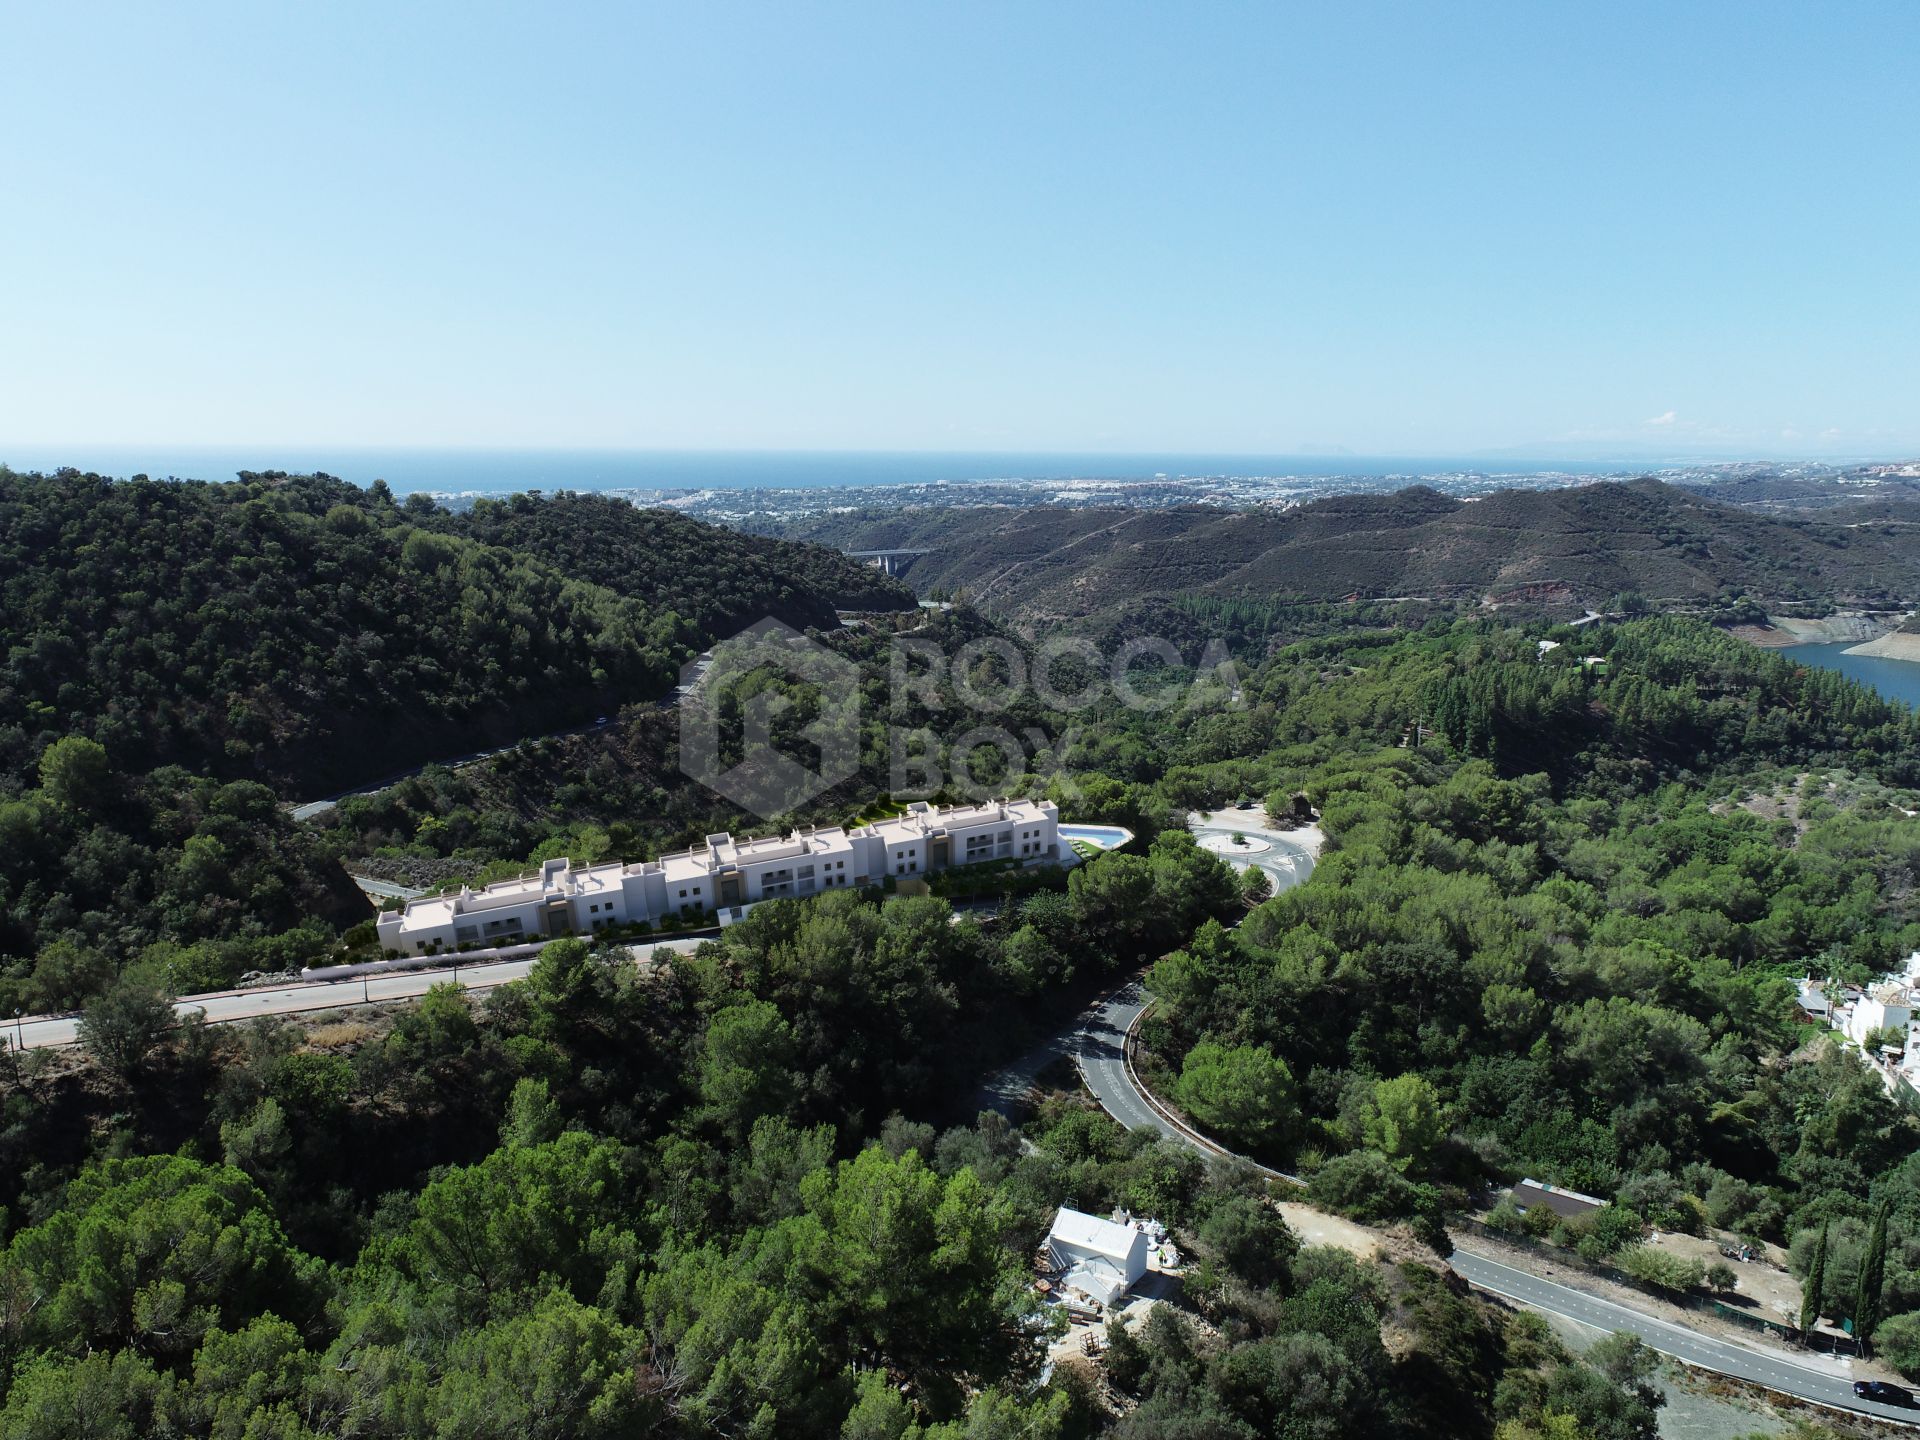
[1100, 837]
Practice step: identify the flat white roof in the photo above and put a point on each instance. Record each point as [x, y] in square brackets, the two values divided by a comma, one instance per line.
[687, 866]
[559, 878]
[435, 911]
[1090, 1232]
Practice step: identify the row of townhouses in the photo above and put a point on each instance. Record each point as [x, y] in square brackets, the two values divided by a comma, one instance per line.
[725, 873]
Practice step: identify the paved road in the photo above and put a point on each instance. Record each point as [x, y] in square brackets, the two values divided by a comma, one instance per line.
[1827, 1383]
[1287, 863]
[1098, 1043]
[307, 810]
[1095, 1042]
[382, 889]
[228, 1006]
[1101, 1050]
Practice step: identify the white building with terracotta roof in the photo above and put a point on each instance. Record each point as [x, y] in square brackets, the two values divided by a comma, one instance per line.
[563, 899]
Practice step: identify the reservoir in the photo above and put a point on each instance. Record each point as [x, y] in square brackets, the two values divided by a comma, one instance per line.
[1895, 679]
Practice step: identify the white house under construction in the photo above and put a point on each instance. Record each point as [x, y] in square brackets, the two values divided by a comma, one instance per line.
[563, 900]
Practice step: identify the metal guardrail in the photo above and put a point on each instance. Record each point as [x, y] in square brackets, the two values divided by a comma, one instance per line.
[1129, 1043]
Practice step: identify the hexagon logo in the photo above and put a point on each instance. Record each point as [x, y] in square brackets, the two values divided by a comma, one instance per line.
[764, 693]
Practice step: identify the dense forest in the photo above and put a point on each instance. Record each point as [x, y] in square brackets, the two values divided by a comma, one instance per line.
[717, 580]
[689, 1201]
[620, 792]
[178, 652]
[172, 878]
[304, 632]
[748, 1191]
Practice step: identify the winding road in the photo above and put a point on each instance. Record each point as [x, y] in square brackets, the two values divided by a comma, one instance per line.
[1098, 1045]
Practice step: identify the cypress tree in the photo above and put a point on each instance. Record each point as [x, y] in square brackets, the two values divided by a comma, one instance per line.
[1873, 1275]
[1816, 1278]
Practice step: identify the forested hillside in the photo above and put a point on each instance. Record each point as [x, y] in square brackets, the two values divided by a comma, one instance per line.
[714, 1196]
[688, 1203]
[303, 632]
[1574, 547]
[177, 652]
[175, 879]
[717, 580]
[620, 791]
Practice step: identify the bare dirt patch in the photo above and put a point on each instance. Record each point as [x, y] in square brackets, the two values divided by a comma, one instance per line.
[1316, 1227]
[1764, 1281]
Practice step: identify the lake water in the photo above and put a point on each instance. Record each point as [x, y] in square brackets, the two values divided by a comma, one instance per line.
[1895, 679]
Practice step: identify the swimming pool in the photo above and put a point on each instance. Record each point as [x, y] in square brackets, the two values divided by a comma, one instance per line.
[1107, 837]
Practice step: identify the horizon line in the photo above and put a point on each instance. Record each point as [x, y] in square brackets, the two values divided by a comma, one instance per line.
[1506, 454]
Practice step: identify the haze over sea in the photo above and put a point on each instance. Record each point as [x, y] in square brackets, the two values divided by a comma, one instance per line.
[499, 472]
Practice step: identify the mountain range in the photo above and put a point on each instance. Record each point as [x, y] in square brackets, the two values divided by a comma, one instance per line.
[1566, 548]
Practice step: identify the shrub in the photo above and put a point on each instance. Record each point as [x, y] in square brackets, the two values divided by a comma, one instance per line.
[122, 1028]
[1243, 1093]
[1540, 1222]
[1660, 1269]
[1898, 1341]
[1506, 1217]
[1613, 1227]
[1364, 1186]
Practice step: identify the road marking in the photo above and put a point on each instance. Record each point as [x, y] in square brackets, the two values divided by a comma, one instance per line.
[1107, 1078]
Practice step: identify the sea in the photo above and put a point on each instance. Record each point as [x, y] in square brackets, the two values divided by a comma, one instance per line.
[1895, 679]
[502, 472]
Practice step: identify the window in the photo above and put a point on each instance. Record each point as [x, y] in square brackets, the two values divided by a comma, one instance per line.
[683, 892]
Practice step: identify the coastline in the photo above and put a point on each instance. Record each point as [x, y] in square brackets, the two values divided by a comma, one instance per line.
[1895, 645]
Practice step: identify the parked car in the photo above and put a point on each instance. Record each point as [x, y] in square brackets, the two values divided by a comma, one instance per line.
[1881, 1391]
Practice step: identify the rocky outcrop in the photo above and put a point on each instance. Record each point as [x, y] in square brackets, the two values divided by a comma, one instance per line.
[1834, 628]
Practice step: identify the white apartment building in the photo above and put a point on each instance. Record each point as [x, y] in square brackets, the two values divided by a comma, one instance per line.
[561, 899]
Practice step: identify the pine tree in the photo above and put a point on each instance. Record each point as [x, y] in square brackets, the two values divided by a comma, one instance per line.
[1873, 1274]
[1816, 1279]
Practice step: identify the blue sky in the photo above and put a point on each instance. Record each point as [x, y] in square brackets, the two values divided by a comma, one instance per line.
[1437, 229]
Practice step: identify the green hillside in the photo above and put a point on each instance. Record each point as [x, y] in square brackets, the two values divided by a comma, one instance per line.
[312, 635]
[717, 580]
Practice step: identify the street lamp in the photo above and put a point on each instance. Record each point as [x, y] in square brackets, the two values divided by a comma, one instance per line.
[19, 1032]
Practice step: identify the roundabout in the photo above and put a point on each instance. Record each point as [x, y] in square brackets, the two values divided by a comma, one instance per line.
[1286, 856]
[1231, 847]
